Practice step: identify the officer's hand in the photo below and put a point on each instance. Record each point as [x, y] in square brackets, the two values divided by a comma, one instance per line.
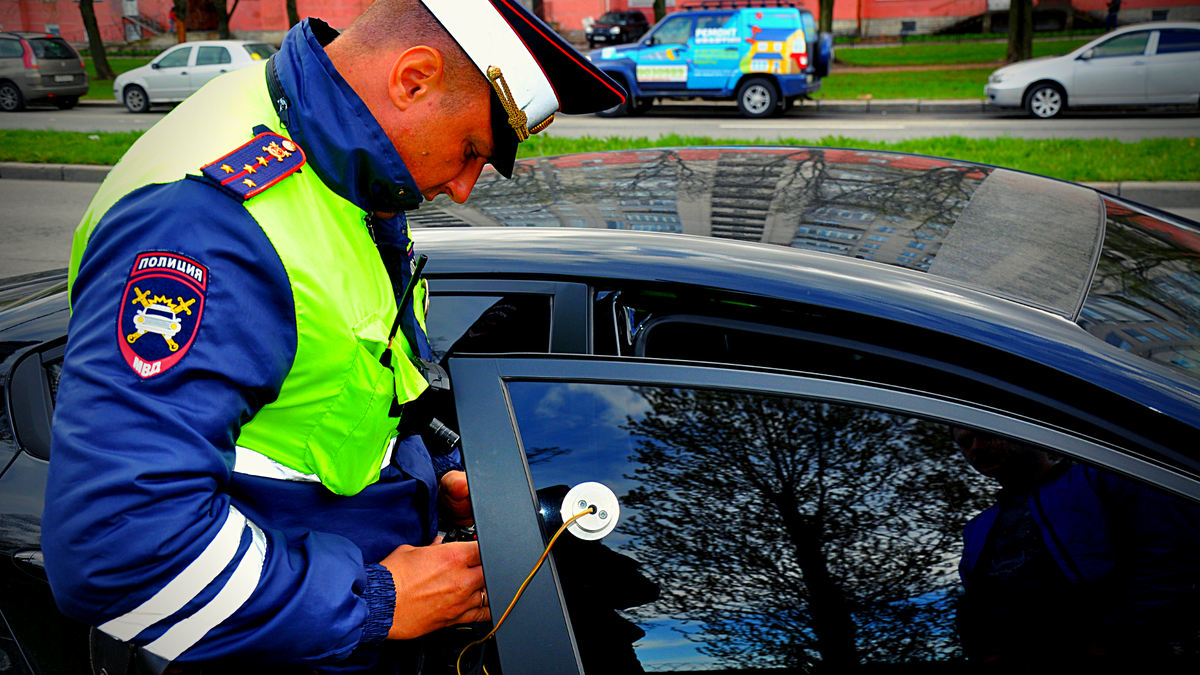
[455, 497]
[436, 586]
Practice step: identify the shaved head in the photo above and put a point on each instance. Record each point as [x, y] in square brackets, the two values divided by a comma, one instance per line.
[393, 26]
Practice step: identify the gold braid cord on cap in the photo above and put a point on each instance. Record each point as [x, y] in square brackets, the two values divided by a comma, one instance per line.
[517, 118]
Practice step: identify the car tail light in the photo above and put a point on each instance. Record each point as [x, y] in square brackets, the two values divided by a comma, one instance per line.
[29, 58]
[800, 51]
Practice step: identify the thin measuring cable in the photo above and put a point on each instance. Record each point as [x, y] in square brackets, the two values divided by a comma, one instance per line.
[458, 663]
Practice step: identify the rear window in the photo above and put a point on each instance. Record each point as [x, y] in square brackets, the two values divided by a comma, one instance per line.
[260, 50]
[11, 49]
[52, 48]
[1176, 40]
[612, 17]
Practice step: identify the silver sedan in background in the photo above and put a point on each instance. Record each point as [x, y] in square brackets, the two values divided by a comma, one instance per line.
[1140, 65]
[179, 71]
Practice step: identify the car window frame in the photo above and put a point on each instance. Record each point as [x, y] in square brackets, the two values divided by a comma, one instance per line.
[1146, 49]
[570, 309]
[191, 56]
[228, 55]
[505, 499]
[648, 41]
[1158, 40]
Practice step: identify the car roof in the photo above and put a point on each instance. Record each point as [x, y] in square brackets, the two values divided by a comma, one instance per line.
[28, 34]
[980, 225]
[1155, 25]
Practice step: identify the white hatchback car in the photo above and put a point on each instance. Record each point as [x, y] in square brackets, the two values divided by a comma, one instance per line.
[179, 71]
[1139, 65]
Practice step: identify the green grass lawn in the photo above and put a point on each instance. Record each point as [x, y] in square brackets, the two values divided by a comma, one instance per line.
[931, 54]
[102, 89]
[925, 84]
[1077, 160]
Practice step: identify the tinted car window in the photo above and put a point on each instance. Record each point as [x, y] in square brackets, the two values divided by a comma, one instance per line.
[11, 49]
[479, 324]
[260, 51]
[673, 31]
[1130, 44]
[176, 59]
[765, 532]
[1176, 40]
[211, 56]
[712, 20]
[1145, 296]
[52, 48]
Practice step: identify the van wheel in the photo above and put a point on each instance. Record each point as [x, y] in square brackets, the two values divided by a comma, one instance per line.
[11, 99]
[66, 103]
[758, 97]
[640, 106]
[136, 99]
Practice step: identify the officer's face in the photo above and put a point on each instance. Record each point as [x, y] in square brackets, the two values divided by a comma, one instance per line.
[1009, 462]
[449, 155]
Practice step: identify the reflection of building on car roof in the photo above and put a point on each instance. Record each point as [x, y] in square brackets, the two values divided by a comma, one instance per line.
[156, 319]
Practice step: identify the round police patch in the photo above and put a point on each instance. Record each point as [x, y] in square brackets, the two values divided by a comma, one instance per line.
[161, 311]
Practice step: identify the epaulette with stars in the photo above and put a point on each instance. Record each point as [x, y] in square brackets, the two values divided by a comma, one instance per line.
[267, 159]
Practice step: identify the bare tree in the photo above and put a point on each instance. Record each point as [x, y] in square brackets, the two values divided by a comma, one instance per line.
[825, 18]
[1020, 30]
[223, 13]
[660, 9]
[293, 13]
[799, 533]
[181, 18]
[95, 44]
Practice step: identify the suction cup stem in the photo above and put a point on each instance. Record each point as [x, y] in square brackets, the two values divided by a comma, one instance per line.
[595, 525]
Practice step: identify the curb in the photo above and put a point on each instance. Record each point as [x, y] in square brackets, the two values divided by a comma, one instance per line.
[74, 173]
[902, 105]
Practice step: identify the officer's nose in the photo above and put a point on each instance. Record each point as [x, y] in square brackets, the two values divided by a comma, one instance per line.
[460, 188]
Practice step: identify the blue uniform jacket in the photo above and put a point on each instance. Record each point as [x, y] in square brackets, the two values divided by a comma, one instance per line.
[139, 535]
[1099, 527]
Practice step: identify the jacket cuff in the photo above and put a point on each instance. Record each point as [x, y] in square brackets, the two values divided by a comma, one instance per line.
[443, 464]
[381, 604]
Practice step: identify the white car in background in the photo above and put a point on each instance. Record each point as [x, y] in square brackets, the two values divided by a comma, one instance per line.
[179, 71]
[1139, 65]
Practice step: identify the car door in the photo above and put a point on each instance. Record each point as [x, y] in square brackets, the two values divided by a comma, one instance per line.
[1173, 71]
[774, 520]
[167, 79]
[1113, 72]
[714, 57]
[211, 61]
[662, 63]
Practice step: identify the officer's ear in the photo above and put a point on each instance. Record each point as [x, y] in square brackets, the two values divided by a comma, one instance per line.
[416, 74]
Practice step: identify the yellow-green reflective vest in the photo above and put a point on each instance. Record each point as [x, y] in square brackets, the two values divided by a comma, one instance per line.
[332, 417]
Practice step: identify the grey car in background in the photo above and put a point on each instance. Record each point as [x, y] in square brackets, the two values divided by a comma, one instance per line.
[39, 67]
[1140, 65]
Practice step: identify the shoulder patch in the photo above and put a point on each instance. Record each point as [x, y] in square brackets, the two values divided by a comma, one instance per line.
[267, 159]
[160, 311]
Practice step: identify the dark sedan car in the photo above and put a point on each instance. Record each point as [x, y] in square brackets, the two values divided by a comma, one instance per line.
[857, 407]
[614, 28]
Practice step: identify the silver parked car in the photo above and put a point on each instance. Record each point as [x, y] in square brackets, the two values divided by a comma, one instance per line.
[39, 67]
[179, 71]
[1139, 65]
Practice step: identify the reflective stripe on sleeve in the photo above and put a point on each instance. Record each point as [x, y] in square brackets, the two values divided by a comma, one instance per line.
[236, 592]
[187, 585]
[253, 463]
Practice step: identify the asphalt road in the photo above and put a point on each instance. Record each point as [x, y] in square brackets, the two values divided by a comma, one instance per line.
[723, 121]
[39, 218]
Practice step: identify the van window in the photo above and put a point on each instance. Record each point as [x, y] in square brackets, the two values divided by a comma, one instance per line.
[11, 49]
[52, 48]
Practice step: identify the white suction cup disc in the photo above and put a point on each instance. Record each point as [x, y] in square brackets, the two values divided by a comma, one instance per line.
[595, 525]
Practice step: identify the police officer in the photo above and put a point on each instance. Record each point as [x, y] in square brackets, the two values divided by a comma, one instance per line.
[228, 481]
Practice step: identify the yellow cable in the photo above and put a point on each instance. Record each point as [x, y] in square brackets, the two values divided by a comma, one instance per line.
[577, 516]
